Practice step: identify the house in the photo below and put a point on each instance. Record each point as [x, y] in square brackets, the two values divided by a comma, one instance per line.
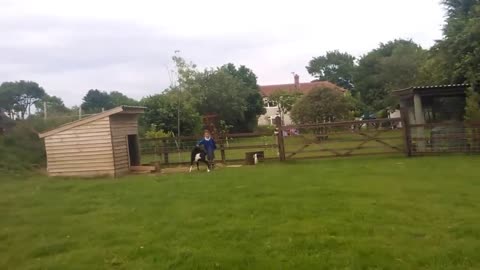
[272, 110]
[101, 144]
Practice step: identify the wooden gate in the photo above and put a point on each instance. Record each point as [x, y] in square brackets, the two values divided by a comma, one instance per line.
[342, 139]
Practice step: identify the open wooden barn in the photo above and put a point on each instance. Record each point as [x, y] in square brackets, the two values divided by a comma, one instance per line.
[102, 144]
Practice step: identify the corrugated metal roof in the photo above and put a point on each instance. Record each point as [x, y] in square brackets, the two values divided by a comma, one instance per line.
[429, 87]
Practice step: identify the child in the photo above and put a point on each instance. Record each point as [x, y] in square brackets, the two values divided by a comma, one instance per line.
[209, 145]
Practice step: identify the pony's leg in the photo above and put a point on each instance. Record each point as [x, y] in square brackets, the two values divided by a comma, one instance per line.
[208, 165]
[198, 166]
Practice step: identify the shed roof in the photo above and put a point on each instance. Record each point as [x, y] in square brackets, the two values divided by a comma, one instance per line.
[86, 120]
[432, 90]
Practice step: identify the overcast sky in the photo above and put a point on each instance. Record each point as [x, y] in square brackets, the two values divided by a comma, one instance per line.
[71, 46]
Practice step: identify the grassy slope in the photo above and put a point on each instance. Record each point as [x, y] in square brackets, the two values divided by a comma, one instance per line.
[390, 213]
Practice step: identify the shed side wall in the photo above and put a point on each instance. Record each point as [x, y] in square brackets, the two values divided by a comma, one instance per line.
[81, 151]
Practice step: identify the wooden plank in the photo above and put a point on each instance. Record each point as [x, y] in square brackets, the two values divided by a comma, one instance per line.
[79, 135]
[77, 169]
[63, 150]
[85, 155]
[108, 173]
[300, 150]
[64, 145]
[85, 158]
[83, 140]
[80, 164]
[376, 139]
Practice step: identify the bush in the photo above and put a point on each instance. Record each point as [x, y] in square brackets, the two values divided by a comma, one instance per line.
[21, 150]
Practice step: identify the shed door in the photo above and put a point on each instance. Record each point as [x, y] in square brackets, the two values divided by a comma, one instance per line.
[133, 150]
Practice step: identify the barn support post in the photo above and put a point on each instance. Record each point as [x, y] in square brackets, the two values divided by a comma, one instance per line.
[406, 131]
[280, 141]
[419, 120]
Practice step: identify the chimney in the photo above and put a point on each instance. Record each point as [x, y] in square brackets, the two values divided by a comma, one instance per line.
[297, 81]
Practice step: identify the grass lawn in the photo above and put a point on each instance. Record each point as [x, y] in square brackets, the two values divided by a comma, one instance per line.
[357, 213]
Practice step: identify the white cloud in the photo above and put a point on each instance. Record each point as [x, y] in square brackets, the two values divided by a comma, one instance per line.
[71, 46]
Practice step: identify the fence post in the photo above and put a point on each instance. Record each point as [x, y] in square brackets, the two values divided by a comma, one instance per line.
[406, 131]
[165, 151]
[222, 152]
[280, 141]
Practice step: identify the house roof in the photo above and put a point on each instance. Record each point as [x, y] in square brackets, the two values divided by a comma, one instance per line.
[304, 88]
[432, 90]
[86, 120]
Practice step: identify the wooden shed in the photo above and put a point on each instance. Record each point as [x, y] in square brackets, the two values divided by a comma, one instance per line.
[102, 144]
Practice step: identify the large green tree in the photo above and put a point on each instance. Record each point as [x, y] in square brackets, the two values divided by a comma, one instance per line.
[17, 98]
[457, 55]
[162, 112]
[119, 99]
[254, 105]
[335, 67]
[319, 105]
[394, 65]
[54, 105]
[230, 92]
[96, 100]
[218, 92]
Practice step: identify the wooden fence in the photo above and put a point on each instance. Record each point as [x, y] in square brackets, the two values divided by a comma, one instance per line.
[341, 139]
[389, 136]
[230, 148]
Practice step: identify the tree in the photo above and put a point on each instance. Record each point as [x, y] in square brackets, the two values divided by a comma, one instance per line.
[253, 97]
[392, 66]
[54, 105]
[17, 98]
[96, 100]
[119, 99]
[285, 100]
[320, 105]
[228, 91]
[335, 67]
[472, 108]
[161, 112]
[218, 92]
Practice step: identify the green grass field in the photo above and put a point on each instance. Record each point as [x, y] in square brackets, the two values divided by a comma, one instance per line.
[356, 213]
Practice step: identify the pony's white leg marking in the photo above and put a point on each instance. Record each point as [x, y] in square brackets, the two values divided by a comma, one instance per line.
[190, 169]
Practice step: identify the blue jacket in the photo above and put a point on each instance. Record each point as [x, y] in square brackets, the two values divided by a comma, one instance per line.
[209, 145]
